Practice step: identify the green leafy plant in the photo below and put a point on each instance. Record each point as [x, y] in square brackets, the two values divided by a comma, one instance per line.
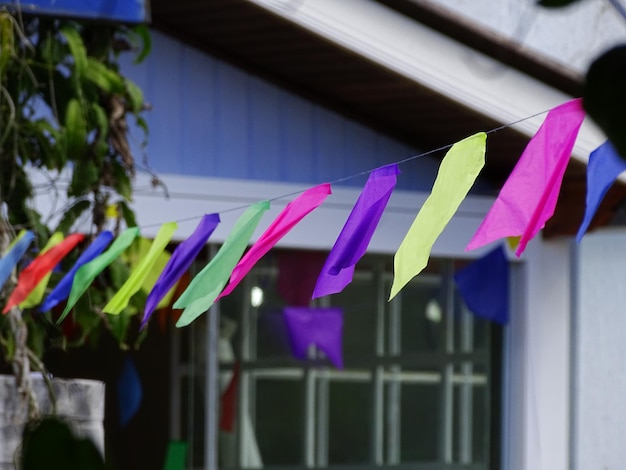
[64, 106]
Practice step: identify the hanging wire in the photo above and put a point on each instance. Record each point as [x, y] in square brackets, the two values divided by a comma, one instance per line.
[337, 181]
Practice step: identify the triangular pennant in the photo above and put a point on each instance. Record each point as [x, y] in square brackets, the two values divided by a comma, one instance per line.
[181, 260]
[138, 274]
[13, 255]
[88, 272]
[529, 196]
[43, 264]
[357, 232]
[129, 392]
[603, 168]
[288, 218]
[63, 288]
[229, 402]
[208, 283]
[484, 286]
[457, 173]
[34, 298]
[322, 327]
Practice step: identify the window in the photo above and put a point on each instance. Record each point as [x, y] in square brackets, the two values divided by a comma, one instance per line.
[416, 389]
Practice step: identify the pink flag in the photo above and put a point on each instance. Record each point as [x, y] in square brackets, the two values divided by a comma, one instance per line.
[293, 213]
[529, 196]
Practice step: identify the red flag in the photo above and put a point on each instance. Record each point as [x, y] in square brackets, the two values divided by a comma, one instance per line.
[229, 402]
[42, 265]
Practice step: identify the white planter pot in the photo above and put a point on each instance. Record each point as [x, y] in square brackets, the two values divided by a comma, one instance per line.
[78, 401]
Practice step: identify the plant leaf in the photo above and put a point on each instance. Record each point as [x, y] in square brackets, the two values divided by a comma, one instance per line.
[103, 77]
[127, 214]
[555, 3]
[144, 33]
[75, 128]
[121, 182]
[604, 95]
[135, 96]
[84, 177]
[7, 46]
[71, 216]
[77, 49]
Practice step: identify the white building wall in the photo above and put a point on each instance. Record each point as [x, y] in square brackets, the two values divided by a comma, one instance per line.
[536, 362]
[572, 37]
[599, 353]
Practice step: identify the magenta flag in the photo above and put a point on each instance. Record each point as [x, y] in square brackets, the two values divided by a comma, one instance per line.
[322, 327]
[181, 260]
[357, 233]
[529, 196]
[293, 213]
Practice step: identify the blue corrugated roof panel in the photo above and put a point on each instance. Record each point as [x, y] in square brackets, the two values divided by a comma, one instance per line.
[125, 11]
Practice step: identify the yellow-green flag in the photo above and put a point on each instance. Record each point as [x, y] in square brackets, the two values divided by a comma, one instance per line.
[457, 173]
[36, 295]
[139, 273]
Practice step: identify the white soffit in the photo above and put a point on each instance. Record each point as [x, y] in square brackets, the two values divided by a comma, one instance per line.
[433, 60]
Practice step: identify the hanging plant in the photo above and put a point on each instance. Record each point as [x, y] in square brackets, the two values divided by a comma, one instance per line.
[64, 111]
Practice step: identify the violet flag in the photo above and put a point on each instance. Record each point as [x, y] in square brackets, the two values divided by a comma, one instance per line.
[529, 196]
[181, 260]
[603, 168]
[64, 287]
[357, 232]
[289, 217]
[484, 286]
[322, 327]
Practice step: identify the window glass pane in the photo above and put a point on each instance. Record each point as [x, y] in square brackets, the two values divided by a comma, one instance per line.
[421, 318]
[349, 422]
[419, 422]
[358, 301]
[279, 421]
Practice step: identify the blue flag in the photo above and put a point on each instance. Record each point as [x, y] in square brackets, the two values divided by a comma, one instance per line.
[484, 286]
[604, 167]
[8, 262]
[64, 287]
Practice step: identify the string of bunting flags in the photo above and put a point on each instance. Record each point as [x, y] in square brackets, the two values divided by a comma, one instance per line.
[525, 202]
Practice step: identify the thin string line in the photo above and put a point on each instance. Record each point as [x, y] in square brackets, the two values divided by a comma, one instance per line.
[339, 180]
[362, 173]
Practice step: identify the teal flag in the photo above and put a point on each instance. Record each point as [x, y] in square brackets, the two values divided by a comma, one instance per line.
[208, 283]
[88, 272]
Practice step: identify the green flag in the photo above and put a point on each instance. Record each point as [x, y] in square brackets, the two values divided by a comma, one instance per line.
[88, 272]
[209, 282]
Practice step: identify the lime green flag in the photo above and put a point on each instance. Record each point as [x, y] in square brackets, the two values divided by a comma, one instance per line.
[88, 272]
[141, 270]
[208, 283]
[457, 173]
[36, 295]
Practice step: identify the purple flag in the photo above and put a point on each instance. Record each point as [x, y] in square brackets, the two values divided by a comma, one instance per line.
[181, 260]
[322, 327]
[357, 233]
[64, 287]
[604, 167]
[484, 285]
